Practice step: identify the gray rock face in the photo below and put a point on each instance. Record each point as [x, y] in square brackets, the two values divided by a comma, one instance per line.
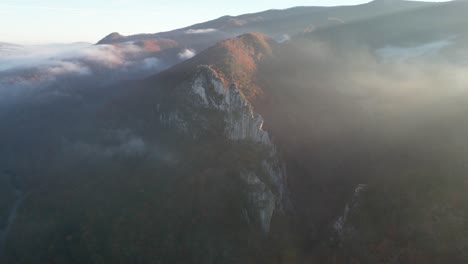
[340, 226]
[207, 93]
[262, 201]
[267, 191]
[241, 122]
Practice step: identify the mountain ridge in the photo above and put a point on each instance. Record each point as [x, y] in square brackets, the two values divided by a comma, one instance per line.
[300, 17]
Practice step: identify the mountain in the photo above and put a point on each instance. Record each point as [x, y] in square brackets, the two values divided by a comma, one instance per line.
[404, 28]
[238, 181]
[330, 147]
[280, 25]
[325, 127]
[212, 96]
[274, 23]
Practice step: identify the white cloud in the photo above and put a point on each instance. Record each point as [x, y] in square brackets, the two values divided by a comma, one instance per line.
[283, 38]
[336, 19]
[107, 55]
[201, 31]
[66, 67]
[33, 56]
[186, 54]
[23, 68]
[151, 63]
[110, 56]
[400, 54]
[124, 144]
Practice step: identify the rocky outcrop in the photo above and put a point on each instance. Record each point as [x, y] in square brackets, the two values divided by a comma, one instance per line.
[231, 115]
[241, 122]
[341, 228]
[262, 201]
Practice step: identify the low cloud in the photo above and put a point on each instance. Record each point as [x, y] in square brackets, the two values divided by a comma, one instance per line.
[187, 54]
[283, 38]
[201, 31]
[54, 56]
[401, 54]
[65, 67]
[110, 55]
[336, 19]
[352, 90]
[106, 55]
[24, 68]
[34, 56]
[123, 144]
[151, 63]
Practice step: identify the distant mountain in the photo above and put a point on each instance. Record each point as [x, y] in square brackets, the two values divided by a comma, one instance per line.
[280, 25]
[274, 23]
[410, 27]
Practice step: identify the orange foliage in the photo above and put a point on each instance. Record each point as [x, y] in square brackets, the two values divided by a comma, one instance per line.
[240, 58]
[156, 45]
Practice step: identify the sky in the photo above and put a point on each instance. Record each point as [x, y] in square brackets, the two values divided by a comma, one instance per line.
[66, 21]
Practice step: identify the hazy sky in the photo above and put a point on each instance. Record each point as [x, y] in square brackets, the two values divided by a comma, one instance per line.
[45, 21]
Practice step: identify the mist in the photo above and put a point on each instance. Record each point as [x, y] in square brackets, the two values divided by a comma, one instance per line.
[45, 55]
[201, 31]
[72, 70]
[356, 113]
[187, 54]
[304, 135]
[355, 89]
